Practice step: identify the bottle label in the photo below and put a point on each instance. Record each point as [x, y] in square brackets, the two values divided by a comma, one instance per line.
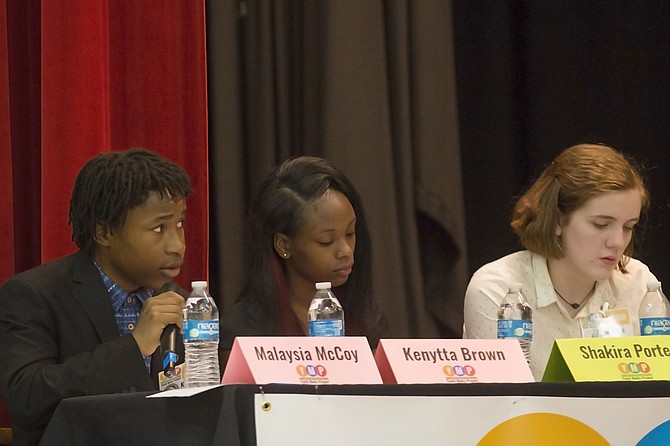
[654, 326]
[521, 328]
[201, 330]
[326, 327]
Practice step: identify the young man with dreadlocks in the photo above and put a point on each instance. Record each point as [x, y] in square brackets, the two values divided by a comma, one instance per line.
[87, 323]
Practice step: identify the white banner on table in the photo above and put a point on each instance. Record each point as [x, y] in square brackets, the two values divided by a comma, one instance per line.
[459, 420]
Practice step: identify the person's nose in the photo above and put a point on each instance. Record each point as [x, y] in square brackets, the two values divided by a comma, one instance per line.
[618, 239]
[176, 243]
[345, 249]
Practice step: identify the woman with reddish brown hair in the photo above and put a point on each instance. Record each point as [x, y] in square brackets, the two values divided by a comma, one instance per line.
[577, 225]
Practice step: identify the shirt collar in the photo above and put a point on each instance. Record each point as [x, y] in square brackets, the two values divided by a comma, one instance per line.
[118, 295]
[543, 286]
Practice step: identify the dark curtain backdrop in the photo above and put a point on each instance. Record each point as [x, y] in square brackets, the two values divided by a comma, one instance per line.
[373, 86]
[536, 77]
[369, 86]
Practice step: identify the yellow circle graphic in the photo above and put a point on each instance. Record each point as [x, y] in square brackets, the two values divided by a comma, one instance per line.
[542, 429]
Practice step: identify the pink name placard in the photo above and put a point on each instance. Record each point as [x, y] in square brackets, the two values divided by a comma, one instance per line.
[301, 360]
[430, 361]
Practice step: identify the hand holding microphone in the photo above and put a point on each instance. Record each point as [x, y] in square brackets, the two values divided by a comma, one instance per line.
[169, 356]
[161, 311]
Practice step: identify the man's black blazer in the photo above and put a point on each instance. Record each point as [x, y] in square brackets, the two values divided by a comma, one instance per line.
[59, 339]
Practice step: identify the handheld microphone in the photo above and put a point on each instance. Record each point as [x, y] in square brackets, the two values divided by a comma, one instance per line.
[169, 337]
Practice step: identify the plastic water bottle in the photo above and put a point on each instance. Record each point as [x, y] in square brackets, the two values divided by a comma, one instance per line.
[325, 315]
[201, 337]
[515, 319]
[653, 312]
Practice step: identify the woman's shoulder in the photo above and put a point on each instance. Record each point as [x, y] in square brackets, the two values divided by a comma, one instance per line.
[245, 307]
[636, 270]
[636, 265]
[507, 267]
[633, 283]
[498, 274]
[247, 315]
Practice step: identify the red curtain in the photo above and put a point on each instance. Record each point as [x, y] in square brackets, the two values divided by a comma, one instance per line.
[90, 76]
[6, 202]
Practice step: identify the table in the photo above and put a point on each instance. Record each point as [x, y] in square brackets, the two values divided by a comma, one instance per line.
[225, 415]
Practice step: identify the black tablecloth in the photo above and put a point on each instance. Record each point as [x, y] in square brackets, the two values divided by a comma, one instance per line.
[225, 415]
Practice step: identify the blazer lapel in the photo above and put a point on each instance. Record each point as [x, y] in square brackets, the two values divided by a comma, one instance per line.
[89, 290]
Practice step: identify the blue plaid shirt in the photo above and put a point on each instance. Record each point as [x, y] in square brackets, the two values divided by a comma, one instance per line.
[127, 306]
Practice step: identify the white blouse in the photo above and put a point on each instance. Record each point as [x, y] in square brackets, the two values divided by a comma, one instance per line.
[551, 320]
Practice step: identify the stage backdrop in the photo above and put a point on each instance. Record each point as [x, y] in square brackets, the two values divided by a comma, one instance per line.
[80, 77]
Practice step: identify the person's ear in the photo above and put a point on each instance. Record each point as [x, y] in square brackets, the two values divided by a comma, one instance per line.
[282, 245]
[101, 237]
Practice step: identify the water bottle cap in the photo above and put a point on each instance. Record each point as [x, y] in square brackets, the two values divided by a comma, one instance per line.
[199, 284]
[515, 286]
[322, 285]
[653, 286]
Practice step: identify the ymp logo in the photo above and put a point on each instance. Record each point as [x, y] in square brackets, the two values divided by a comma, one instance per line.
[634, 368]
[312, 374]
[460, 373]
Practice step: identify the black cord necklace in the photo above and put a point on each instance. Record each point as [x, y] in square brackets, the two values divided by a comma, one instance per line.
[576, 305]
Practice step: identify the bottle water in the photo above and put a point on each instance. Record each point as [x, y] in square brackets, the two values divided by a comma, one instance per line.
[201, 337]
[325, 315]
[515, 319]
[653, 312]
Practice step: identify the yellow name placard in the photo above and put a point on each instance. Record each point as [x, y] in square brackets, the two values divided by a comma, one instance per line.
[632, 358]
